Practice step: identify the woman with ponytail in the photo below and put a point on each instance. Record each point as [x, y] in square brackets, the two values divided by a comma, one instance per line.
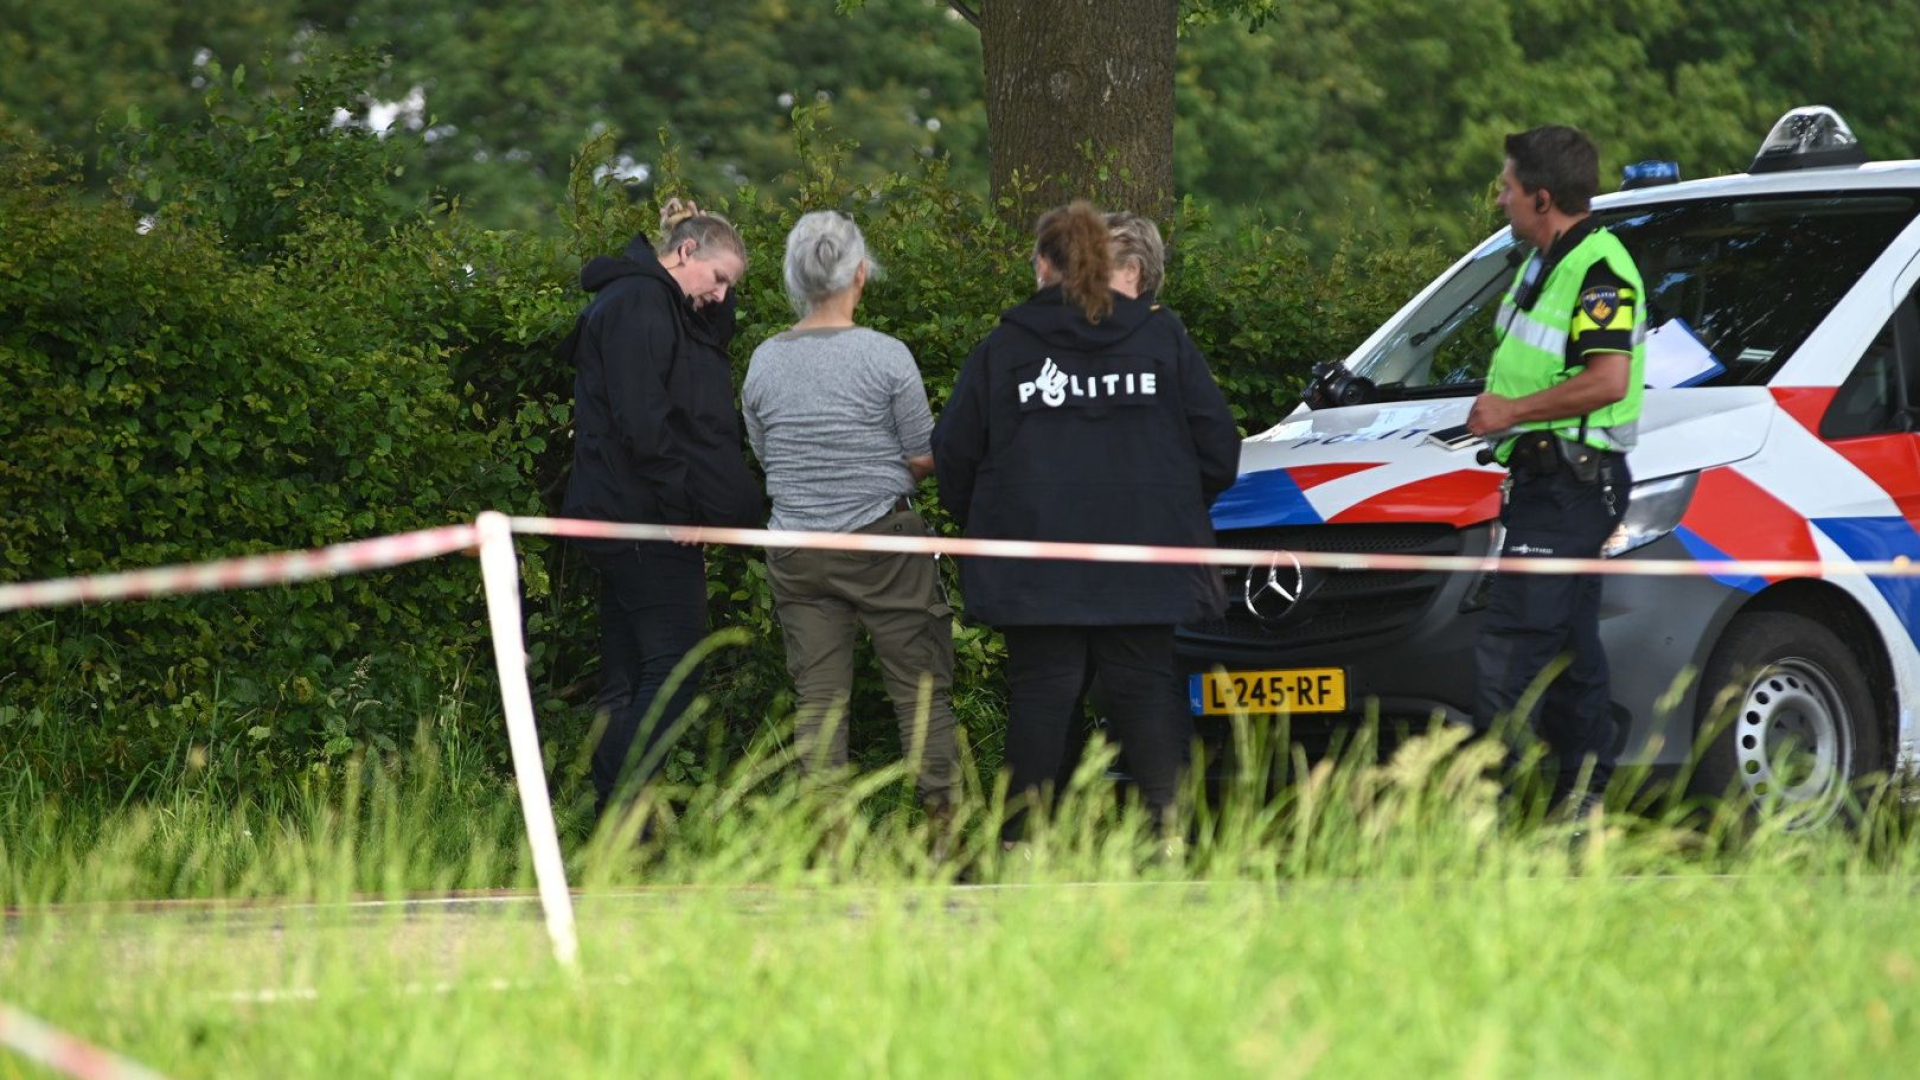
[655, 440]
[1087, 415]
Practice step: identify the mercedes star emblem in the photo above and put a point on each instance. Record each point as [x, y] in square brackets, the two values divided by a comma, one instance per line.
[1270, 591]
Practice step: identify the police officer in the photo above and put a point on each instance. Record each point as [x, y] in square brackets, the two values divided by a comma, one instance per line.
[1562, 406]
[656, 440]
[1087, 415]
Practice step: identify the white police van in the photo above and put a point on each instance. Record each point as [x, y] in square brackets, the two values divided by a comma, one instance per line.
[1780, 423]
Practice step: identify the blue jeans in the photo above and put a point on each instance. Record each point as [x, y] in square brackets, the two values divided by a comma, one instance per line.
[653, 611]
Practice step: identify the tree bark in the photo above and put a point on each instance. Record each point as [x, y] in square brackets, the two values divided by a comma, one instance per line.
[1080, 102]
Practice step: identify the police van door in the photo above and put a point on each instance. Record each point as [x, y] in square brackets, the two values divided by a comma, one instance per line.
[1874, 422]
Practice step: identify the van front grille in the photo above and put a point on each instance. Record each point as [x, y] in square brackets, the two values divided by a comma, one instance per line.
[1336, 605]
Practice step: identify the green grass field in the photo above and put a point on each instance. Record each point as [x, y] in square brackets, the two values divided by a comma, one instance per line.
[1389, 920]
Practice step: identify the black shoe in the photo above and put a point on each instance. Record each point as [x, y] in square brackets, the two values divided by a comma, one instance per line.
[1583, 813]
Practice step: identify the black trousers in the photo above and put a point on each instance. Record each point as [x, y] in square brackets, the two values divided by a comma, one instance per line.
[1533, 619]
[653, 611]
[1048, 669]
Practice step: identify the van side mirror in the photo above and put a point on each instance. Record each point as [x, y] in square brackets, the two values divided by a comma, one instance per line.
[1331, 385]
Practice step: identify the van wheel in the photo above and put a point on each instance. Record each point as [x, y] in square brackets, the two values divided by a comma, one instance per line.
[1790, 718]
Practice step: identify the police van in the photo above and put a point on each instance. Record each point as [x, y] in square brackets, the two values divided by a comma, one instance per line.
[1781, 421]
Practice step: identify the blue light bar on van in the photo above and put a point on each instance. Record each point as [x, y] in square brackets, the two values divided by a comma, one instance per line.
[1649, 174]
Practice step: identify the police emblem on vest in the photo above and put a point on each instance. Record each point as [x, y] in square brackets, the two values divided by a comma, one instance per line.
[1600, 304]
[1072, 382]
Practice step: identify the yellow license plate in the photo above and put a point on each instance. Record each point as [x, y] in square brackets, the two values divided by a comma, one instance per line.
[1291, 690]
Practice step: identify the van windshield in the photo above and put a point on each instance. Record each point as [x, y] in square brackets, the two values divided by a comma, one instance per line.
[1749, 277]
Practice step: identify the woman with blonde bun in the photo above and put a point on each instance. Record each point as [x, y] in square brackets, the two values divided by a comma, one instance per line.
[656, 440]
[1087, 415]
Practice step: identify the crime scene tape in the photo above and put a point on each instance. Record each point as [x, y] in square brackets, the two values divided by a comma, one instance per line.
[64, 1053]
[1140, 553]
[245, 572]
[286, 567]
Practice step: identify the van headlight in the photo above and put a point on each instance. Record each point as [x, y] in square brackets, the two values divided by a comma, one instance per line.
[1482, 587]
[1653, 510]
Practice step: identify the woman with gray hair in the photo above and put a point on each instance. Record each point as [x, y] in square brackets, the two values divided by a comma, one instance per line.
[838, 416]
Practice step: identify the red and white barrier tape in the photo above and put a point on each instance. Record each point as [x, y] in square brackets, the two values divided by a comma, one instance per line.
[64, 1053]
[246, 572]
[285, 567]
[1140, 553]
[500, 571]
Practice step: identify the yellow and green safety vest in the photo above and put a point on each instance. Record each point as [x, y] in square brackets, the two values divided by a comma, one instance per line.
[1532, 352]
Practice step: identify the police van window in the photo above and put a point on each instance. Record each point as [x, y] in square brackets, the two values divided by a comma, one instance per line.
[1880, 394]
[1751, 277]
[1443, 347]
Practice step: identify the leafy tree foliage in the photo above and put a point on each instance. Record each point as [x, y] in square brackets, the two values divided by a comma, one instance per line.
[1316, 113]
[64, 66]
[1394, 110]
[258, 362]
[508, 92]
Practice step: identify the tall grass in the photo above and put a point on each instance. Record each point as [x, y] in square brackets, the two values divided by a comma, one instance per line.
[1439, 805]
[1391, 912]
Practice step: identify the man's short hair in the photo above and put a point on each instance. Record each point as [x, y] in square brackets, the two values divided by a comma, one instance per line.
[1562, 160]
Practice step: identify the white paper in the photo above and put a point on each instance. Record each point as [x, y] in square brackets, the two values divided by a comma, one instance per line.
[1675, 357]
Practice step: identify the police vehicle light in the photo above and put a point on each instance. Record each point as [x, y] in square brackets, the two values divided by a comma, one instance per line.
[1810, 137]
[1649, 174]
[1653, 511]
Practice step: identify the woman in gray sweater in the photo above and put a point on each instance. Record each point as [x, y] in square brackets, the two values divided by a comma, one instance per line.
[838, 417]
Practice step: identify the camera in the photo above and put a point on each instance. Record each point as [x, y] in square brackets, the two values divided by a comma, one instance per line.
[1331, 385]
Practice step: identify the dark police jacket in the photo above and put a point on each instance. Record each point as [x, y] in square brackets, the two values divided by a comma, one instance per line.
[656, 438]
[1062, 429]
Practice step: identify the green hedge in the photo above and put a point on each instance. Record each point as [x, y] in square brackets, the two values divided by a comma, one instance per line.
[254, 348]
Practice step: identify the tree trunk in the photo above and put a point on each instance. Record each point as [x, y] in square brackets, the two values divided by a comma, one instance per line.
[1080, 102]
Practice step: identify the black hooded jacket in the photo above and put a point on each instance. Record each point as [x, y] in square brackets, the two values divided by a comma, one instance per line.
[1063, 429]
[656, 438]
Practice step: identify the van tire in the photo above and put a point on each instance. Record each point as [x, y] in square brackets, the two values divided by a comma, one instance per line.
[1787, 718]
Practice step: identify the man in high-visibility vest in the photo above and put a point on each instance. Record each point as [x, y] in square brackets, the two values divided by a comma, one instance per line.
[1562, 405]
